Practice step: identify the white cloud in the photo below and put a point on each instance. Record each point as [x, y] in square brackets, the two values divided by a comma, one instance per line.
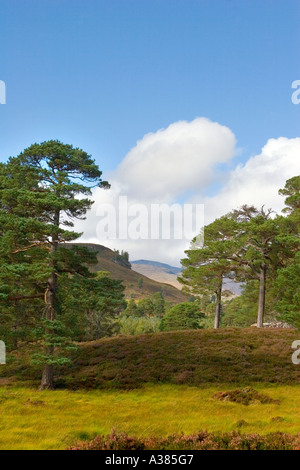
[258, 181]
[165, 165]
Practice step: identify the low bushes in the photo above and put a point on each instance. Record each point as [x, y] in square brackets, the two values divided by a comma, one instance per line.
[245, 396]
[200, 441]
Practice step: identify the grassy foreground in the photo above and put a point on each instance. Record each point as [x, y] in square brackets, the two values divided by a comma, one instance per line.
[57, 420]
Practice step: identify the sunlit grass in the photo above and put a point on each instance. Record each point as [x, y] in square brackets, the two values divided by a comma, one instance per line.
[55, 420]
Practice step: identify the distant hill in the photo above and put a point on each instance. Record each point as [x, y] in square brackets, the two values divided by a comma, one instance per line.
[167, 267]
[159, 272]
[168, 274]
[132, 279]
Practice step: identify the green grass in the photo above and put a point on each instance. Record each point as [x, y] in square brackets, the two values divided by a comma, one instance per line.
[56, 420]
[154, 385]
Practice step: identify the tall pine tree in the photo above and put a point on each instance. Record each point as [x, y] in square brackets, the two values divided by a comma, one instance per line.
[49, 187]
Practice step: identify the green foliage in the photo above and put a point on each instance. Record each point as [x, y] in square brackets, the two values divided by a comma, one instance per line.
[159, 304]
[55, 339]
[122, 258]
[205, 267]
[292, 193]
[145, 307]
[132, 309]
[242, 311]
[288, 292]
[248, 245]
[184, 316]
[139, 325]
[41, 192]
[91, 306]
[153, 307]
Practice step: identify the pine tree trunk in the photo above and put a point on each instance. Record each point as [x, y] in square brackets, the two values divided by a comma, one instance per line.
[47, 378]
[262, 297]
[50, 300]
[218, 307]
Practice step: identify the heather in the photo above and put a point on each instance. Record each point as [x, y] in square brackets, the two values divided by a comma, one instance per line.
[237, 356]
[199, 441]
[230, 355]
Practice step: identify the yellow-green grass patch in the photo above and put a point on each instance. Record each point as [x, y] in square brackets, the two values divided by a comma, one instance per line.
[55, 420]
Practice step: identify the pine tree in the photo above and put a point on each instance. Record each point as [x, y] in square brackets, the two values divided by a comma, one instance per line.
[260, 248]
[206, 267]
[287, 292]
[45, 188]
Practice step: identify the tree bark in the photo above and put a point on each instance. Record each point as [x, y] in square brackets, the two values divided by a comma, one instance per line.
[50, 301]
[47, 378]
[262, 297]
[218, 307]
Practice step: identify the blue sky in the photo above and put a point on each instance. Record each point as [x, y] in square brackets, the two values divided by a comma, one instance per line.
[102, 73]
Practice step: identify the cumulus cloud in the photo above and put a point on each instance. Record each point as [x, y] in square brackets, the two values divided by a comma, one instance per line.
[165, 164]
[181, 160]
[258, 181]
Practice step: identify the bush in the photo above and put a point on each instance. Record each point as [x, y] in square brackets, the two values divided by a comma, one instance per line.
[245, 396]
[139, 325]
[200, 441]
[184, 316]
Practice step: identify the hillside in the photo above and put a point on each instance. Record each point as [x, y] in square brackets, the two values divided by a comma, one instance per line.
[239, 356]
[165, 273]
[159, 272]
[131, 278]
[157, 264]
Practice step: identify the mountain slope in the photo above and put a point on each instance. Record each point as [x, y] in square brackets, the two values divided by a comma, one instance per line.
[159, 272]
[137, 286]
[168, 274]
[157, 264]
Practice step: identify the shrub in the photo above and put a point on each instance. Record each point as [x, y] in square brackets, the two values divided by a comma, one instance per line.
[200, 441]
[139, 325]
[184, 316]
[245, 396]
